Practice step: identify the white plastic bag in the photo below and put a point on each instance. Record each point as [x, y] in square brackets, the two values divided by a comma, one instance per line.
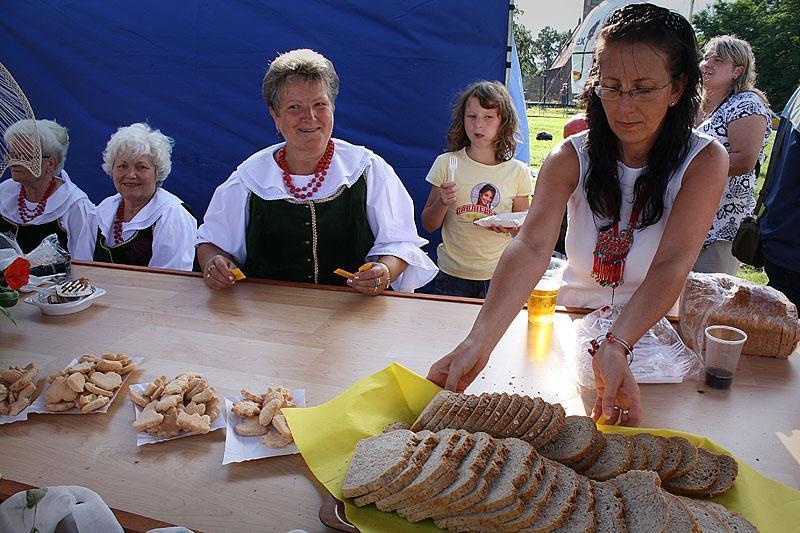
[660, 356]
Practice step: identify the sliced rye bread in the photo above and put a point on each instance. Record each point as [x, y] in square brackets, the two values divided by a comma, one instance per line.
[472, 464]
[500, 415]
[672, 458]
[706, 518]
[512, 429]
[689, 456]
[377, 460]
[485, 478]
[644, 506]
[536, 410]
[607, 507]
[736, 522]
[444, 409]
[614, 460]
[469, 406]
[560, 504]
[503, 489]
[573, 442]
[427, 414]
[680, 519]
[484, 399]
[598, 444]
[448, 417]
[728, 470]
[492, 413]
[539, 424]
[699, 479]
[412, 469]
[436, 465]
[480, 422]
[638, 455]
[536, 502]
[553, 428]
[511, 412]
[655, 455]
[582, 519]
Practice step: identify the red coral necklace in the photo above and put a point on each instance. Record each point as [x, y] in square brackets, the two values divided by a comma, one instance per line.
[26, 214]
[306, 191]
[118, 222]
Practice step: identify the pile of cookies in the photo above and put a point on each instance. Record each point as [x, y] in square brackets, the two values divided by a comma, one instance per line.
[262, 416]
[186, 403]
[89, 384]
[17, 385]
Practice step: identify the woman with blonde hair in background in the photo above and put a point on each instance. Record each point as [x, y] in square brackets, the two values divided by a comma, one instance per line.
[737, 114]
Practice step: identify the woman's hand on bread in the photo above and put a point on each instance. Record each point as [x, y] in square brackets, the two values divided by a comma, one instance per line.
[456, 370]
[217, 272]
[618, 398]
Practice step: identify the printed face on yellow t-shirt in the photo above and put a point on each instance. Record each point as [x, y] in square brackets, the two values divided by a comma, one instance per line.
[484, 197]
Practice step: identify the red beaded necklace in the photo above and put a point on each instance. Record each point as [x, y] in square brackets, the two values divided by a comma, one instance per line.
[26, 214]
[610, 252]
[316, 181]
[118, 222]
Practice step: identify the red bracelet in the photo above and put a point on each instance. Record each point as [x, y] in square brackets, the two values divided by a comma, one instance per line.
[611, 338]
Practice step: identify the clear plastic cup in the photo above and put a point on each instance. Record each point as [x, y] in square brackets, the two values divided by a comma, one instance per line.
[542, 301]
[723, 346]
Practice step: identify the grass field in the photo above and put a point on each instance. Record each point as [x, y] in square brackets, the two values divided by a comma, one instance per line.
[552, 121]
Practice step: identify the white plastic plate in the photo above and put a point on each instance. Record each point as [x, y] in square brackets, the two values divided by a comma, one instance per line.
[504, 220]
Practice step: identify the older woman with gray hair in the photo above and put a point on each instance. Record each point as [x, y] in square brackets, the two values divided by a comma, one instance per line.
[299, 210]
[33, 207]
[143, 224]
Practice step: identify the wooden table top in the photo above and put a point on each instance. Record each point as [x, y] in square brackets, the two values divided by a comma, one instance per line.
[321, 340]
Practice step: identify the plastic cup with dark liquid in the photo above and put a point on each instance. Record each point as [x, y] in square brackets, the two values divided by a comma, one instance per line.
[723, 345]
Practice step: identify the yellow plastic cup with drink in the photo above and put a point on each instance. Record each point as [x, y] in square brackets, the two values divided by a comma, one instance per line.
[542, 301]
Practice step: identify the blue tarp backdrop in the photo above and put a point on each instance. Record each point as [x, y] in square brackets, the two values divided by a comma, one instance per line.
[193, 69]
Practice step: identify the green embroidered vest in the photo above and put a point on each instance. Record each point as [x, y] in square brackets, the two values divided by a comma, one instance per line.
[305, 241]
[138, 250]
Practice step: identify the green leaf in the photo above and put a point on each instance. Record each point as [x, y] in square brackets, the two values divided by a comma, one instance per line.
[8, 315]
[33, 496]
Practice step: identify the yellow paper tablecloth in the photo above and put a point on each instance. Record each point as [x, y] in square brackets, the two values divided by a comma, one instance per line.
[327, 435]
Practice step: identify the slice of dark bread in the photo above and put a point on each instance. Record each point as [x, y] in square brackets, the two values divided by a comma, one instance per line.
[680, 519]
[377, 460]
[728, 470]
[614, 460]
[582, 518]
[539, 424]
[598, 444]
[444, 409]
[455, 407]
[655, 455]
[553, 428]
[500, 414]
[512, 412]
[484, 399]
[537, 501]
[461, 448]
[536, 410]
[513, 427]
[573, 442]
[672, 458]
[707, 519]
[408, 474]
[561, 502]
[638, 455]
[644, 506]
[482, 423]
[607, 507]
[473, 464]
[469, 406]
[735, 522]
[699, 479]
[427, 414]
[689, 456]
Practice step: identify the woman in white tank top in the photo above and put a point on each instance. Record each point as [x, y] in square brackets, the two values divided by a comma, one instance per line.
[640, 188]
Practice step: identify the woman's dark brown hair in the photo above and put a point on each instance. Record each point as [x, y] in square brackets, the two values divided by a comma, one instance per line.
[490, 95]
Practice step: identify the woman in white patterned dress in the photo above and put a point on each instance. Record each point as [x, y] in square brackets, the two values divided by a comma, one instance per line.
[737, 114]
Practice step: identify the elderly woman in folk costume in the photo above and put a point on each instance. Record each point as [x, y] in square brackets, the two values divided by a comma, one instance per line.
[143, 224]
[641, 187]
[737, 114]
[299, 210]
[33, 207]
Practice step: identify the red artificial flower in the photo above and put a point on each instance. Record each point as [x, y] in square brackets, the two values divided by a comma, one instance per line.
[17, 273]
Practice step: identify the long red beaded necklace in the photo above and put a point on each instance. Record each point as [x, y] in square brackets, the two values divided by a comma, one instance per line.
[118, 222]
[306, 191]
[610, 252]
[25, 214]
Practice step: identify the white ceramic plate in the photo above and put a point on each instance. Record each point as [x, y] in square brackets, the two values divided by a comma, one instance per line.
[40, 301]
[505, 220]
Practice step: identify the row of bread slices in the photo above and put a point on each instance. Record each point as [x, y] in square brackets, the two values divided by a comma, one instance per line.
[474, 482]
[576, 442]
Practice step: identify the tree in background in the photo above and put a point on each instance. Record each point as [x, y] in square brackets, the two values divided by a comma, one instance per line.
[546, 47]
[525, 50]
[772, 27]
